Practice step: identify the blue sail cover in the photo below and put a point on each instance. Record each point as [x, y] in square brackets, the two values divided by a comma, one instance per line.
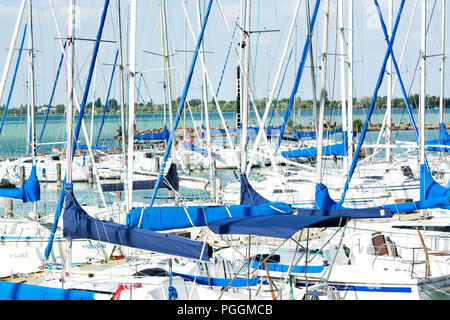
[323, 201]
[304, 134]
[164, 135]
[339, 149]
[248, 195]
[444, 139]
[23, 291]
[30, 191]
[277, 226]
[79, 225]
[167, 218]
[170, 182]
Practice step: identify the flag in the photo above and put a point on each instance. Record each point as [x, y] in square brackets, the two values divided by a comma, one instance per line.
[56, 150]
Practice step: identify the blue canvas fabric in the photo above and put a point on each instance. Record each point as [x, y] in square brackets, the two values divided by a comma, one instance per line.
[284, 226]
[441, 202]
[429, 188]
[323, 201]
[444, 139]
[167, 218]
[164, 135]
[22, 291]
[276, 226]
[79, 225]
[170, 182]
[304, 134]
[248, 195]
[29, 192]
[347, 213]
[339, 149]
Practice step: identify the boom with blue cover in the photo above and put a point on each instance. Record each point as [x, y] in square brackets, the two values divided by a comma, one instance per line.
[323, 201]
[277, 226]
[79, 225]
[30, 191]
[167, 218]
[339, 149]
[312, 134]
[164, 135]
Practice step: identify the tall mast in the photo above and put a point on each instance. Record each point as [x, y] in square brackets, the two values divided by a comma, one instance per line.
[167, 61]
[131, 98]
[32, 93]
[245, 87]
[122, 104]
[422, 83]
[441, 97]
[342, 65]
[350, 84]
[311, 60]
[205, 103]
[323, 91]
[69, 118]
[389, 89]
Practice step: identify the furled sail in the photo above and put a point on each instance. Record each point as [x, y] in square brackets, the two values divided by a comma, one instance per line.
[79, 225]
[167, 217]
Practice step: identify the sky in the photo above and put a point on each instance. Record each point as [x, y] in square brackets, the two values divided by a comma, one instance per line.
[266, 48]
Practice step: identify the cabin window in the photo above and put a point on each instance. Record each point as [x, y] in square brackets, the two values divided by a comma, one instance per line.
[275, 258]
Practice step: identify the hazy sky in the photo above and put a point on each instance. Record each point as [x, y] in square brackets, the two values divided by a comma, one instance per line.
[266, 48]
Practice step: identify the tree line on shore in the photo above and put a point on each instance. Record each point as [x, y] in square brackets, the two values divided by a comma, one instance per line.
[113, 106]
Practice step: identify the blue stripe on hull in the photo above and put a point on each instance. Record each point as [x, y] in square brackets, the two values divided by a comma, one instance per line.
[378, 289]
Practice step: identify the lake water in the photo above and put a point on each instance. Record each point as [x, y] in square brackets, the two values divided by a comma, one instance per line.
[13, 140]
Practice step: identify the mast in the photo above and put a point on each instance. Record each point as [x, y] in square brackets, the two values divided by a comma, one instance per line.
[323, 91]
[69, 119]
[389, 90]
[350, 84]
[32, 93]
[422, 84]
[131, 98]
[311, 60]
[342, 65]
[205, 102]
[441, 97]
[122, 105]
[167, 62]
[245, 87]
[275, 83]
